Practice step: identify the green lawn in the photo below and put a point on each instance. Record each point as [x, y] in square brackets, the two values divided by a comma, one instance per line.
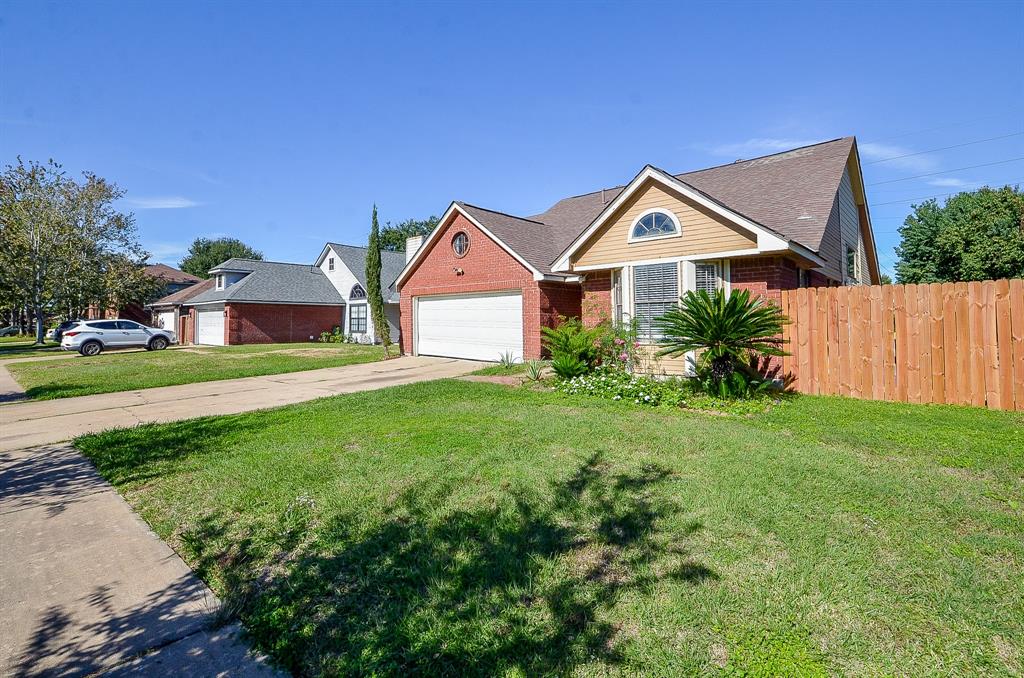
[126, 371]
[22, 347]
[464, 528]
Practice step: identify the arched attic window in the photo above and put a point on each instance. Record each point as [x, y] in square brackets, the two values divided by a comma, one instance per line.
[357, 292]
[654, 224]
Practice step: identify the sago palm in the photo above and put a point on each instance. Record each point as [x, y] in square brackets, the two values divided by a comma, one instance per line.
[725, 328]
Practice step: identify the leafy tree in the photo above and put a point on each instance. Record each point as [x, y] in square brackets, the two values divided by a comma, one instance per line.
[392, 237]
[730, 332]
[373, 291]
[977, 235]
[59, 241]
[205, 253]
[884, 279]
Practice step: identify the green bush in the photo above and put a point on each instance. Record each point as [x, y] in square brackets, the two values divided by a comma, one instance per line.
[568, 366]
[729, 333]
[335, 336]
[571, 344]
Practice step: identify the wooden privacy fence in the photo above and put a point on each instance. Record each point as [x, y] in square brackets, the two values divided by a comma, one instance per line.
[960, 343]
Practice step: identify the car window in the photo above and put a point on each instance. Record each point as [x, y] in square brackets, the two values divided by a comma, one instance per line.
[103, 325]
[128, 325]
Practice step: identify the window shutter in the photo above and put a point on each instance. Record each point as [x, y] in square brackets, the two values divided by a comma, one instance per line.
[656, 290]
[707, 277]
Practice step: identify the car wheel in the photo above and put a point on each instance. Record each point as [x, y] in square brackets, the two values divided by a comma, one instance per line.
[158, 344]
[91, 348]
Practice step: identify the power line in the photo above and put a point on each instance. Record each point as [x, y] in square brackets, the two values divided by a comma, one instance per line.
[958, 169]
[944, 126]
[937, 195]
[944, 148]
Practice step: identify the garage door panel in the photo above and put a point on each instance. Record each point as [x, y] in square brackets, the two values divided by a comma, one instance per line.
[210, 327]
[166, 320]
[475, 327]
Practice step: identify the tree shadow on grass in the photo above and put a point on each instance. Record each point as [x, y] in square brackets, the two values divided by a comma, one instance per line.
[526, 581]
[149, 451]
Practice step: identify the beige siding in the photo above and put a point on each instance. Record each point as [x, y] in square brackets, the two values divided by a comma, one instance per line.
[702, 231]
[649, 363]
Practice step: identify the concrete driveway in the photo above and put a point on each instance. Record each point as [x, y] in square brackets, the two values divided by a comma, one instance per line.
[28, 424]
[86, 587]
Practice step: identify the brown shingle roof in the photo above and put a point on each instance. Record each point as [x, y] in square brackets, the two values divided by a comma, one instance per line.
[182, 296]
[169, 274]
[790, 193]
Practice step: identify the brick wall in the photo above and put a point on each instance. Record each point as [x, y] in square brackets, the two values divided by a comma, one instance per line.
[277, 323]
[764, 276]
[486, 267]
[597, 298]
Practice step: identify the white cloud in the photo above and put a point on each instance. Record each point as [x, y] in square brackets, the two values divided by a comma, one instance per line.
[875, 152]
[171, 202]
[952, 182]
[166, 252]
[759, 146]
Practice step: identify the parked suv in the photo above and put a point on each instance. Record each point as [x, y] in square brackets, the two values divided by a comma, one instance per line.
[91, 337]
[57, 333]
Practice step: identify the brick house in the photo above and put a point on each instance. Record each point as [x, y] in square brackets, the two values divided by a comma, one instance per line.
[253, 302]
[483, 283]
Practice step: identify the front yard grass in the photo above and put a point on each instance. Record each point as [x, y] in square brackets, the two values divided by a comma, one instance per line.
[465, 528]
[24, 347]
[127, 371]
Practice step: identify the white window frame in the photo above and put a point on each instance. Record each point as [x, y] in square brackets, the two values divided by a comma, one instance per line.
[220, 281]
[650, 338]
[365, 319]
[651, 238]
[330, 263]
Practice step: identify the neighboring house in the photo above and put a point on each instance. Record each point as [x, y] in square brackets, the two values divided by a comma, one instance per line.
[251, 302]
[172, 280]
[345, 267]
[483, 282]
[172, 311]
[259, 302]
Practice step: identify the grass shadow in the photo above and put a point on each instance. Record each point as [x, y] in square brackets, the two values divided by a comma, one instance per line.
[524, 582]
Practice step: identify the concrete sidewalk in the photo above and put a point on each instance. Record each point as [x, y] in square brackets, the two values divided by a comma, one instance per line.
[27, 424]
[86, 587]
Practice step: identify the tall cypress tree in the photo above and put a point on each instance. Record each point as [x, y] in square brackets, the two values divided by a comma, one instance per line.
[373, 290]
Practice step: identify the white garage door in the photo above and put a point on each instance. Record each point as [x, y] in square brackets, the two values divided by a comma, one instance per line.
[166, 320]
[475, 327]
[210, 326]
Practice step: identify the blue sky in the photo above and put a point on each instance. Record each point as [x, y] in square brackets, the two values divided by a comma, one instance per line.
[282, 123]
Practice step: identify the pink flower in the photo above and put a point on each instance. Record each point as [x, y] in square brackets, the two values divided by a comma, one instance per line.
[623, 356]
[619, 342]
[636, 344]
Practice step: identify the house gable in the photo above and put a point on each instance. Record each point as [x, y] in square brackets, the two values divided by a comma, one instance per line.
[849, 224]
[341, 277]
[702, 231]
[486, 265]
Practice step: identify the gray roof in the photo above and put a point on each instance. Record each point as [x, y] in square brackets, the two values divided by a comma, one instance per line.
[391, 264]
[274, 282]
[790, 193]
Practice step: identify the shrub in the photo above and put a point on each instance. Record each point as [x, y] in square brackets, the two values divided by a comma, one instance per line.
[619, 346]
[534, 370]
[507, 360]
[568, 366]
[570, 343]
[729, 332]
[616, 384]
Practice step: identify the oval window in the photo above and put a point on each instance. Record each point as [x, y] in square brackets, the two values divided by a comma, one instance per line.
[653, 225]
[460, 244]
